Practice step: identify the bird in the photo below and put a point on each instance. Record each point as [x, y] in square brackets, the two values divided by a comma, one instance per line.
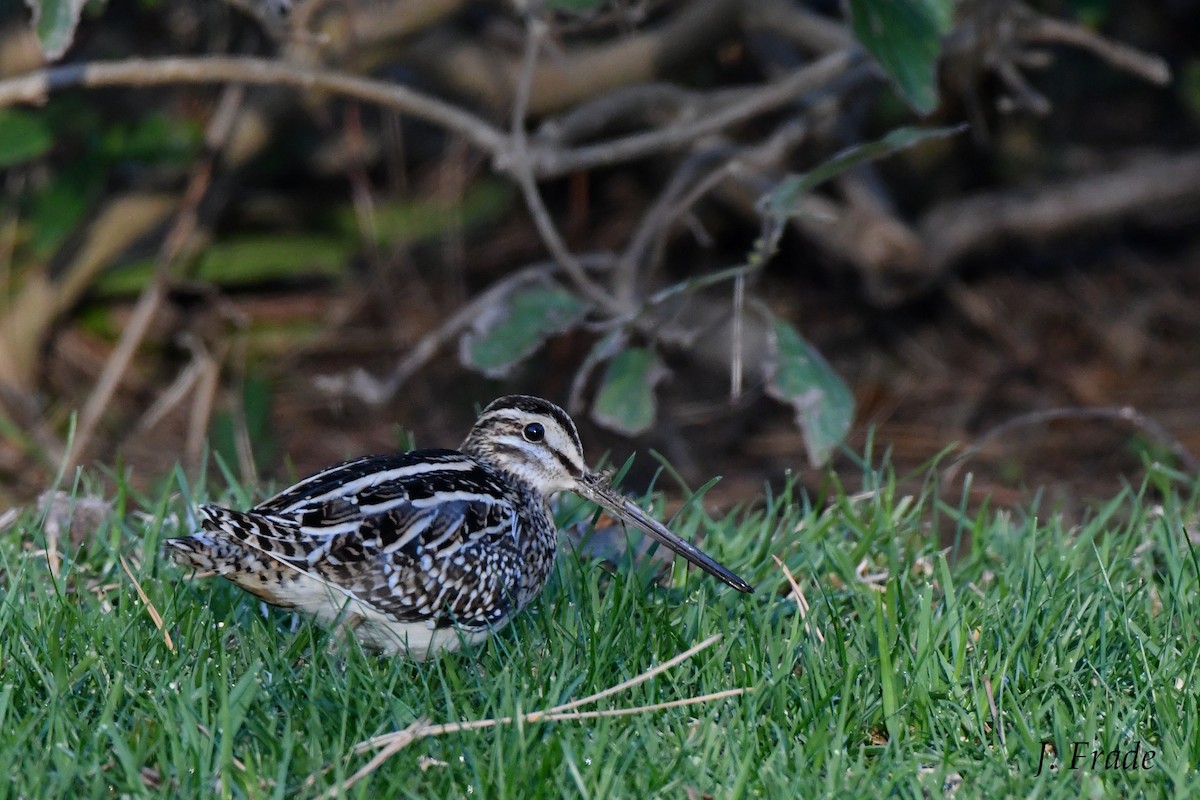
[422, 551]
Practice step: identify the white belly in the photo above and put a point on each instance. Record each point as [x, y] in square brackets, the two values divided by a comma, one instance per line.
[333, 607]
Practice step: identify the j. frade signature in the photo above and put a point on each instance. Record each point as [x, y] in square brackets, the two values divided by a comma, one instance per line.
[1084, 755]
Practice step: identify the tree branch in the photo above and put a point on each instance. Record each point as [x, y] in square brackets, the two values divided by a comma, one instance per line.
[35, 86]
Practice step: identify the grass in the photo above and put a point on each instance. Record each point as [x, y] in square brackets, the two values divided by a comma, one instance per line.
[935, 677]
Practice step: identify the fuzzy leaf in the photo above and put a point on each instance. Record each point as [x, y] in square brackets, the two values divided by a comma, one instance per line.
[626, 402]
[23, 136]
[398, 223]
[54, 21]
[247, 261]
[802, 378]
[781, 201]
[905, 36]
[576, 6]
[514, 330]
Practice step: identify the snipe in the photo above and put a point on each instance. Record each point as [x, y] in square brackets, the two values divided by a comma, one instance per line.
[420, 551]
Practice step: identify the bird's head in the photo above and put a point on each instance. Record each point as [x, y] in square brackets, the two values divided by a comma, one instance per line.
[536, 441]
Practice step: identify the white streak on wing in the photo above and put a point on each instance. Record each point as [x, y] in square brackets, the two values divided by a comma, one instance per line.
[419, 526]
[325, 531]
[449, 497]
[374, 509]
[449, 553]
[373, 479]
[450, 530]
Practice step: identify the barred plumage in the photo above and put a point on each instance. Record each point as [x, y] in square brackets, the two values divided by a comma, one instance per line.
[420, 551]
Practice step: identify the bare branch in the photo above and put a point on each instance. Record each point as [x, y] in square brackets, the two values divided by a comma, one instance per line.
[373, 391]
[546, 160]
[35, 86]
[957, 227]
[549, 161]
[1149, 68]
[519, 162]
[685, 189]
[1127, 415]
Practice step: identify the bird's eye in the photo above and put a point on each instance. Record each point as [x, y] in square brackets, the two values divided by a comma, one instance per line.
[534, 432]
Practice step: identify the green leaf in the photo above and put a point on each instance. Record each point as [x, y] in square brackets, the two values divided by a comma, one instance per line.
[55, 212]
[55, 22]
[802, 378]
[246, 261]
[407, 222]
[512, 331]
[154, 139]
[626, 403]
[782, 200]
[23, 137]
[905, 36]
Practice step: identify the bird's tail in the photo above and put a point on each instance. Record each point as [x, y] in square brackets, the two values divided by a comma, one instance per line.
[225, 536]
[202, 551]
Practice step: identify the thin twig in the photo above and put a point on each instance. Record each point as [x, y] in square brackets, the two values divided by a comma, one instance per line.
[34, 86]
[549, 161]
[391, 743]
[371, 390]
[241, 426]
[1126, 414]
[150, 609]
[152, 296]
[954, 228]
[180, 389]
[737, 337]
[114, 368]
[417, 730]
[520, 167]
[801, 600]
[1148, 67]
[674, 201]
[380, 741]
[544, 160]
[701, 169]
[561, 716]
[639, 679]
[203, 401]
[991, 698]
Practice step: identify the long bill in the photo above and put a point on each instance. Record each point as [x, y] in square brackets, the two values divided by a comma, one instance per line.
[597, 489]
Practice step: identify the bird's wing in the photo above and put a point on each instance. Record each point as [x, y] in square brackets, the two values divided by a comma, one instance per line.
[350, 479]
[415, 535]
